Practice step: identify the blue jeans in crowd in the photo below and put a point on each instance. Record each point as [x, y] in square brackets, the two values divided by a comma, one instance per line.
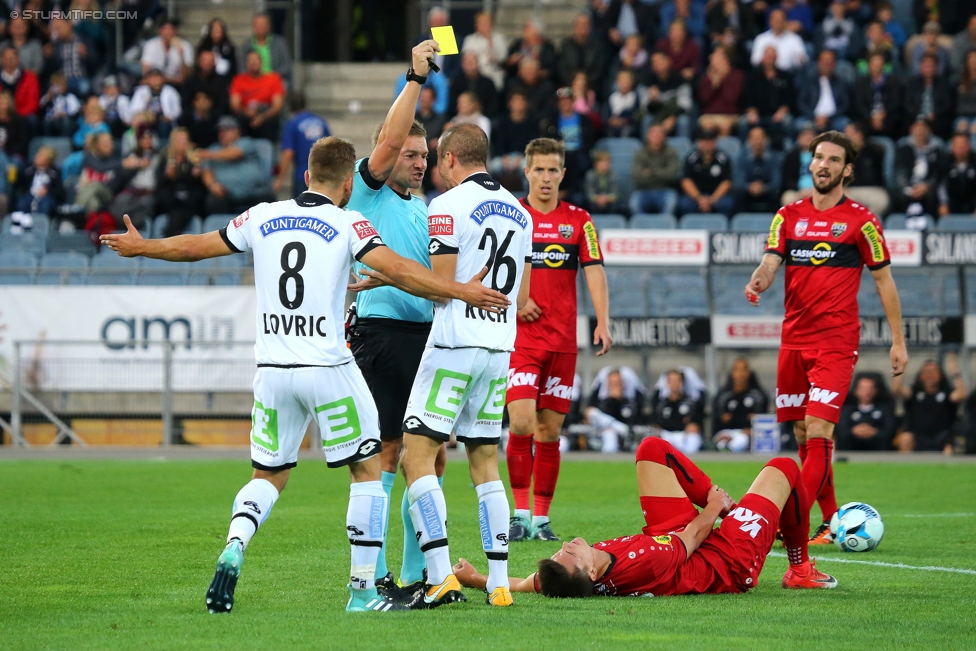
[662, 201]
[725, 205]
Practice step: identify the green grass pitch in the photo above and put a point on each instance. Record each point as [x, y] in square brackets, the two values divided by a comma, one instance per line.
[118, 555]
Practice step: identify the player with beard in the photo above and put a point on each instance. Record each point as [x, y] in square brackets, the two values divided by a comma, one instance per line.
[825, 241]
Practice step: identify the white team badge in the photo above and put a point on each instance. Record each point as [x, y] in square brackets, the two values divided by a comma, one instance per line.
[800, 228]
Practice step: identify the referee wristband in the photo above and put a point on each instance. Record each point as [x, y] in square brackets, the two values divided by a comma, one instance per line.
[412, 76]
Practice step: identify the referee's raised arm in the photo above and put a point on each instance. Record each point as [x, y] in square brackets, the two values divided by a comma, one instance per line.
[398, 121]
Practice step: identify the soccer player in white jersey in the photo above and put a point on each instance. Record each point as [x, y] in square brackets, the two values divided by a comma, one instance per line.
[463, 373]
[303, 249]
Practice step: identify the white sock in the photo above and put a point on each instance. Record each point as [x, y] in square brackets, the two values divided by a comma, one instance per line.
[611, 440]
[523, 513]
[692, 443]
[365, 524]
[539, 520]
[493, 519]
[599, 419]
[428, 511]
[251, 508]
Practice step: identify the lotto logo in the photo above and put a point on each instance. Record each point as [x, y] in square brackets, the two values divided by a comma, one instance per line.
[522, 379]
[364, 229]
[440, 225]
[751, 522]
[785, 400]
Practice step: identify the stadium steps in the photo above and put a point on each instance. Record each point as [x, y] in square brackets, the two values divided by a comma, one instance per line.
[194, 15]
[556, 17]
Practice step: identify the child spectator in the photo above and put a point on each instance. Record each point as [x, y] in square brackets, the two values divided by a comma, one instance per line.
[137, 199]
[600, 186]
[40, 185]
[115, 105]
[633, 56]
[60, 108]
[623, 107]
[892, 26]
[93, 121]
[101, 176]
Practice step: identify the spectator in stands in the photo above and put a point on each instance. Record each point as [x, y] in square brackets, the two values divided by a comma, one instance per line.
[491, 48]
[678, 414]
[70, 55]
[799, 17]
[510, 135]
[201, 120]
[669, 94]
[93, 31]
[868, 186]
[272, 48]
[931, 406]
[634, 57]
[432, 120]
[758, 175]
[741, 397]
[576, 132]
[582, 52]
[470, 80]
[205, 78]
[300, 133]
[768, 98]
[885, 16]
[966, 96]
[138, 186]
[599, 186]
[791, 53]
[39, 187]
[877, 99]
[115, 105]
[622, 114]
[692, 14]
[719, 93]
[625, 18]
[797, 179]
[20, 82]
[655, 174]
[169, 53]
[233, 172]
[584, 101]
[101, 175]
[179, 186]
[538, 91]
[159, 99]
[877, 41]
[436, 82]
[532, 45]
[916, 171]
[684, 53]
[930, 45]
[867, 419]
[13, 130]
[92, 121]
[615, 404]
[729, 24]
[957, 188]
[29, 50]
[437, 17]
[838, 31]
[217, 41]
[468, 111]
[962, 44]
[929, 96]
[60, 108]
[256, 98]
[826, 98]
[707, 178]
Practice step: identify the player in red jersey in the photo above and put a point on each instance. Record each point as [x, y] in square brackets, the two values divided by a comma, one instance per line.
[825, 241]
[541, 370]
[678, 552]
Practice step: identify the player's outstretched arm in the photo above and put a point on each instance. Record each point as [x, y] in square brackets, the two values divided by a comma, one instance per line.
[182, 248]
[699, 528]
[762, 277]
[417, 279]
[469, 577]
[888, 293]
[596, 282]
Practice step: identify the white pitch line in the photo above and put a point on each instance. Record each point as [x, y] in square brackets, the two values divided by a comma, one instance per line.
[900, 566]
[931, 515]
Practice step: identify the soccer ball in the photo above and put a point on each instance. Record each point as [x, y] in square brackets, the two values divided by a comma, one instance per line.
[856, 527]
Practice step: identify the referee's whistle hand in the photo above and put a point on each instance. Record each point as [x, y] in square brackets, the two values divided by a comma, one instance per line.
[422, 55]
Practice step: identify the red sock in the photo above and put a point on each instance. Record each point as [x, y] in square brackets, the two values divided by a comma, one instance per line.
[519, 457]
[827, 499]
[545, 469]
[794, 521]
[803, 452]
[694, 482]
[817, 470]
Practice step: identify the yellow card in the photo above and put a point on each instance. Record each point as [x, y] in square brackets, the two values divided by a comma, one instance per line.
[445, 38]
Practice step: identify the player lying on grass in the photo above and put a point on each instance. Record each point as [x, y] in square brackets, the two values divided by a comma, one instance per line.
[679, 552]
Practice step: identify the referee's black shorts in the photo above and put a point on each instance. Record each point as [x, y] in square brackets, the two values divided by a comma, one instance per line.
[388, 353]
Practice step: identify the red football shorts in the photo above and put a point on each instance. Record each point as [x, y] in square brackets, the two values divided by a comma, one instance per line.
[743, 540]
[812, 383]
[543, 376]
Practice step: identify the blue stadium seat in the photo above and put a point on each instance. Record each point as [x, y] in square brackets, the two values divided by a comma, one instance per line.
[924, 291]
[957, 223]
[681, 145]
[751, 222]
[678, 294]
[889, 156]
[714, 222]
[609, 221]
[654, 221]
[193, 227]
[266, 154]
[39, 224]
[79, 241]
[728, 284]
[626, 285]
[61, 145]
[109, 268]
[68, 268]
[163, 273]
[216, 222]
[731, 146]
[622, 152]
[899, 221]
[201, 272]
[970, 290]
[34, 243]
[17, 267]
